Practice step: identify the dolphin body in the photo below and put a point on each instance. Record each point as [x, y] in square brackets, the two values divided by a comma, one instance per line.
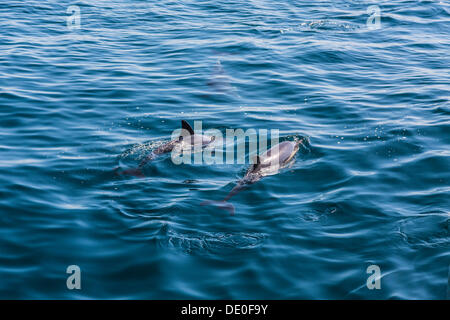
[268, 163]
[187, 140]
[220, 82]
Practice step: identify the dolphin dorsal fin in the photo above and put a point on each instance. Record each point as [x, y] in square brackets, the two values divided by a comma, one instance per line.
[185, 125]
[257, 164]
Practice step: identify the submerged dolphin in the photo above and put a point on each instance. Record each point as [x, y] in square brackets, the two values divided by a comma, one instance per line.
[221, 82]
[188, 139]
[268, 163]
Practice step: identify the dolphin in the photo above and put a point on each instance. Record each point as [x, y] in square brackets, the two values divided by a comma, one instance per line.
[268, 163]
[187, 140]
[220, 82]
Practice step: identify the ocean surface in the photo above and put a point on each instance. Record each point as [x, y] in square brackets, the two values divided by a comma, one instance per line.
[89, 88]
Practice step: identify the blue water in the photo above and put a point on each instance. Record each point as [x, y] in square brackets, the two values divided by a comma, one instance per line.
[370, 188]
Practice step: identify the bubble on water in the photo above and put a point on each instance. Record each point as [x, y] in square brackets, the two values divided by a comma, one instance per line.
[212, 242]
[431, 230]
[139, 151]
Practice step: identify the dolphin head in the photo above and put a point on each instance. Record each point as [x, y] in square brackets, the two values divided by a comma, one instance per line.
[272, 160]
